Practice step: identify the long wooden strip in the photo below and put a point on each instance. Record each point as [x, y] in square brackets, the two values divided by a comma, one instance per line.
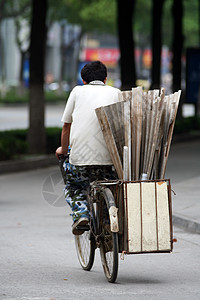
[156, 125]
[170, 132]
[127, 131]
[159, 144]
[134, 217]
[163, 134]
[136, 130]
[109, 139]
[164, 234]
[149, 232]
[133, 132]
[144, 104]
[152, 132]
[115, 115]
[126, 164]
[147, 131]
[126, 95]
[138, 133]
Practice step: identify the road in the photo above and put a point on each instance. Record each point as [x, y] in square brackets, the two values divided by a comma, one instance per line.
[12, 117]
[37, 252]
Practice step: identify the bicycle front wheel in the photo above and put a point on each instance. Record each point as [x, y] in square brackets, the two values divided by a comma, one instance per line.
[85, 248]
[109, 240]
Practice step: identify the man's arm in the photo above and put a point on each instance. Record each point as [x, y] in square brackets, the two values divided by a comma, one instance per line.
[64, 140]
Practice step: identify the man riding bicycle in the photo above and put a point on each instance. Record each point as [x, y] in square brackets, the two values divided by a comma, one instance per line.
[89, 158]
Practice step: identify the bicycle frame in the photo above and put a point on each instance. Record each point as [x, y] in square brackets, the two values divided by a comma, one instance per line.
[95, 188]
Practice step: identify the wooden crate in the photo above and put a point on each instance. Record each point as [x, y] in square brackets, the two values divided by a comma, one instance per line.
[147, 222]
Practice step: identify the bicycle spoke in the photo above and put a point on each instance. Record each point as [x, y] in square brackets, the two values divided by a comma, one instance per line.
[109, 259]
[109, 241]
[84, 243]
[85, 250]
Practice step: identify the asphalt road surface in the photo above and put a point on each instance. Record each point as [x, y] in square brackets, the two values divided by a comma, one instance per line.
[37, 252]
[16, 116]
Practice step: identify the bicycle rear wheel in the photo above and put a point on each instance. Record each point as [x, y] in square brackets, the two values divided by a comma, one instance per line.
[85, 248]
[109, 240]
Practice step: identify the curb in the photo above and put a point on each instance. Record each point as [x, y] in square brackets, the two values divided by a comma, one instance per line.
[181, 138]
[27, 164]
[186, 224]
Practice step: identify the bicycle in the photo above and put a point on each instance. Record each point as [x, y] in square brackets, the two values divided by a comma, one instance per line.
[142, 205]
[102, 230]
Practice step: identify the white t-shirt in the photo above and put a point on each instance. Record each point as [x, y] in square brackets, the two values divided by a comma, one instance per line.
[87, 143]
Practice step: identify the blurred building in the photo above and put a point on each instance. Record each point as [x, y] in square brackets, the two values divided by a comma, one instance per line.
[9, 54]
[67, 50]
[62, 50]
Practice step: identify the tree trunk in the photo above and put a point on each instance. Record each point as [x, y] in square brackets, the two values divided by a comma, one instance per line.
[21, 87]
[156, 38]
[125, 11]
[36, 135]
[177, 12]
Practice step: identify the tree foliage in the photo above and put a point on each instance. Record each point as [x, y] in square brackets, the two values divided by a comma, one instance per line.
[101, 15]
[92, 15]
[12, 8]
[143, 17]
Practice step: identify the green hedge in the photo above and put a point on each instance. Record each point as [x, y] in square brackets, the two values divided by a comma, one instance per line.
[12, 97]
[13, 143]
[187, 125]
[53, 136]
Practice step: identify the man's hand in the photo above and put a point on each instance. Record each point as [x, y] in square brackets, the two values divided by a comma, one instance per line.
[59, 152]
[64, 140]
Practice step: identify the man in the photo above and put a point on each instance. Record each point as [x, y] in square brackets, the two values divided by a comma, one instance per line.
[89, 157]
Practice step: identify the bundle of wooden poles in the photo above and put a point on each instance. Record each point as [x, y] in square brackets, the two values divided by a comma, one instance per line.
[138, 132]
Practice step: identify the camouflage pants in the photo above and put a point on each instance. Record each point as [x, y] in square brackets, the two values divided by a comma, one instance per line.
[78, 180]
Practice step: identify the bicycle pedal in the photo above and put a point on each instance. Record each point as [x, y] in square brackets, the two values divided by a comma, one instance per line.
[83, 227]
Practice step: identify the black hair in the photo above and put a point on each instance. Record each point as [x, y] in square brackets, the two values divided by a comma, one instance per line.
[95, 70]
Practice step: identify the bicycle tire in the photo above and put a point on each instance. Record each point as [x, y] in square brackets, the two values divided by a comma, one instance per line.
[109, 240]
[85, 249]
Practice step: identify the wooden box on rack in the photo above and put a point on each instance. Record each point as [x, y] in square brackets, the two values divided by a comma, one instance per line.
[147, 224]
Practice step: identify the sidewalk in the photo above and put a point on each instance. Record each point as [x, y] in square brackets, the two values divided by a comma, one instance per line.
[27, 163]
[186, 205]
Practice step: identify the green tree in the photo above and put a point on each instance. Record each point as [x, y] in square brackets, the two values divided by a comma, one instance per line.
[12, 8]
[106, 17]
[92, 15]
